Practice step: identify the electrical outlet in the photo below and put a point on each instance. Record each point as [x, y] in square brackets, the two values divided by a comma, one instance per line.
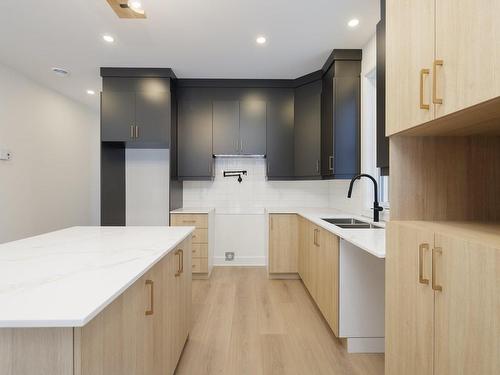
[5, 155]
[229, 256]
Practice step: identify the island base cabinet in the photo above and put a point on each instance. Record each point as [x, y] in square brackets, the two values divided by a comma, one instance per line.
[442, 301]
[143, 331]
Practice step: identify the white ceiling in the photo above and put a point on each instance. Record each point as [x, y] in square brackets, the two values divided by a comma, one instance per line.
[196, 38]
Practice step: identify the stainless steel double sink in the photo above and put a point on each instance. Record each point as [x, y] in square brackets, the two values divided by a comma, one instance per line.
[351, 223]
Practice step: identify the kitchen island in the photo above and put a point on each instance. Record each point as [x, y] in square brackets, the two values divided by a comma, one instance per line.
[95, 300]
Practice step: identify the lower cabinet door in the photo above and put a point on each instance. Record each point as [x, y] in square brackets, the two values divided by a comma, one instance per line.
[467, 308]
[409, 310]
[283, 243]
[328, 278]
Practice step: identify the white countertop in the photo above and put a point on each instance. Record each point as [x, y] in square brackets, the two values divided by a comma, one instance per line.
[195, 210]
[65, 278]
[370, 240]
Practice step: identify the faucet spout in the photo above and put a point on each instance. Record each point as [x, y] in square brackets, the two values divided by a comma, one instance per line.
[376, 207]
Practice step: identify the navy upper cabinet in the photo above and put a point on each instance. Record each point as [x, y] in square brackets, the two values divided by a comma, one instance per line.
[117, 116]
[253, 121]
[136, 111]
[340, 119]
[195, 155]
[308, 130]
[226, 123]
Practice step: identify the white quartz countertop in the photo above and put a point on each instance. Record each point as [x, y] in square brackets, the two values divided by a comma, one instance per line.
[195, 210]
[370, 240]
[65, 278]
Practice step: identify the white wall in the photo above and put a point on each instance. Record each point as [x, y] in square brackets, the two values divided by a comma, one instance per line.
[52, 180]
[147, 173]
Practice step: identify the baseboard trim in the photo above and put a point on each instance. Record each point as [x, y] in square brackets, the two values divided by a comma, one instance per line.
[365, 345]
[256, 261]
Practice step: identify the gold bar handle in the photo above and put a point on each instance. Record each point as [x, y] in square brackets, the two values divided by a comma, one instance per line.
[435, 286]
[182, 260]
[132, 131]
[189, 221]
[178, 253]
[151, 307]
[435, 99]
[423, 247]
[423, 73]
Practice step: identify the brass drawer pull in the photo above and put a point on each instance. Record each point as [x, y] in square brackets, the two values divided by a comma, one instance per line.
[435, 286]
[435, 99]
[151, 307]
[423, 247]
[189, 221]
[178, 253]
[423, 73]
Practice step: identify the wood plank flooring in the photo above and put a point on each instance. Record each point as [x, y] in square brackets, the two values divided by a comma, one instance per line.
[245, 324]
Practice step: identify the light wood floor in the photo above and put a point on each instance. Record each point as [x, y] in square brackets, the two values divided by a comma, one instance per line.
[245, 324]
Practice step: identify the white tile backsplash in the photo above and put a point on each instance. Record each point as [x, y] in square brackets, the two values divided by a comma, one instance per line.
[255, 192]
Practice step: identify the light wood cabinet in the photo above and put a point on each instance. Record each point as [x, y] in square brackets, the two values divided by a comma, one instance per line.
[443, 56]
[468, 43]
[319, 269]
[143, 331]
[442, 300]
[283, 243]
[409, 49]
[202, 240]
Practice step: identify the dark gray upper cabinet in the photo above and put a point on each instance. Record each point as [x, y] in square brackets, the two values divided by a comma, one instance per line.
[195, 156]
[136, 111]
[253, 119]
[382, 140]
[226, 127]
[117, 116]
[152, 116]
[308, 130]
[280, 136]
[340, 120]
[346, 115]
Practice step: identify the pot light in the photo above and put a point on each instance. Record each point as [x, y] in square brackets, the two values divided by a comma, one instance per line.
[60, 72]
[108, 38]
[261, 40]
[353, 23]
[136, 6]
[91, 92]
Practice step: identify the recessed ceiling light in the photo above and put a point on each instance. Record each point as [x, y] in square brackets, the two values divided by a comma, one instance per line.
[135, 4]
[108, 38]
[91, 92]
[261, 40]
[353, 23]
[60, 72]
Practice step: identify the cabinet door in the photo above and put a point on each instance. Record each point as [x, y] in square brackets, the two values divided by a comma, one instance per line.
[467, 309]
[253, 122]
[195, 139]
[280, 137]
[346, 122]
[152, 117]
[409, 310]
[313, 260]
[117, 116]
[283, 243]
[226, 132]
[328, 278]
[308, 130]
[409, 49]
[468, 43]
[303, 249]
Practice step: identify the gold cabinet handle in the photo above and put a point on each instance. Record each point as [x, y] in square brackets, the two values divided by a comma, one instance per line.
[132, 131]
[435, 286]
[423, 73]
[136, 132]
[151, 306]
[435, 99]
[178, 253]
[182, 261]
[423, 247]
[189, 221]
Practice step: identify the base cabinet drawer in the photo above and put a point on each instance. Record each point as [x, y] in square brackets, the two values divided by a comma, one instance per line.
[200, 236]
[200, 265]
[200, 250]
[190, 220]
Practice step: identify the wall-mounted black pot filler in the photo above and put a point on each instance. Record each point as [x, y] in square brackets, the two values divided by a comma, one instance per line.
[235, 174]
